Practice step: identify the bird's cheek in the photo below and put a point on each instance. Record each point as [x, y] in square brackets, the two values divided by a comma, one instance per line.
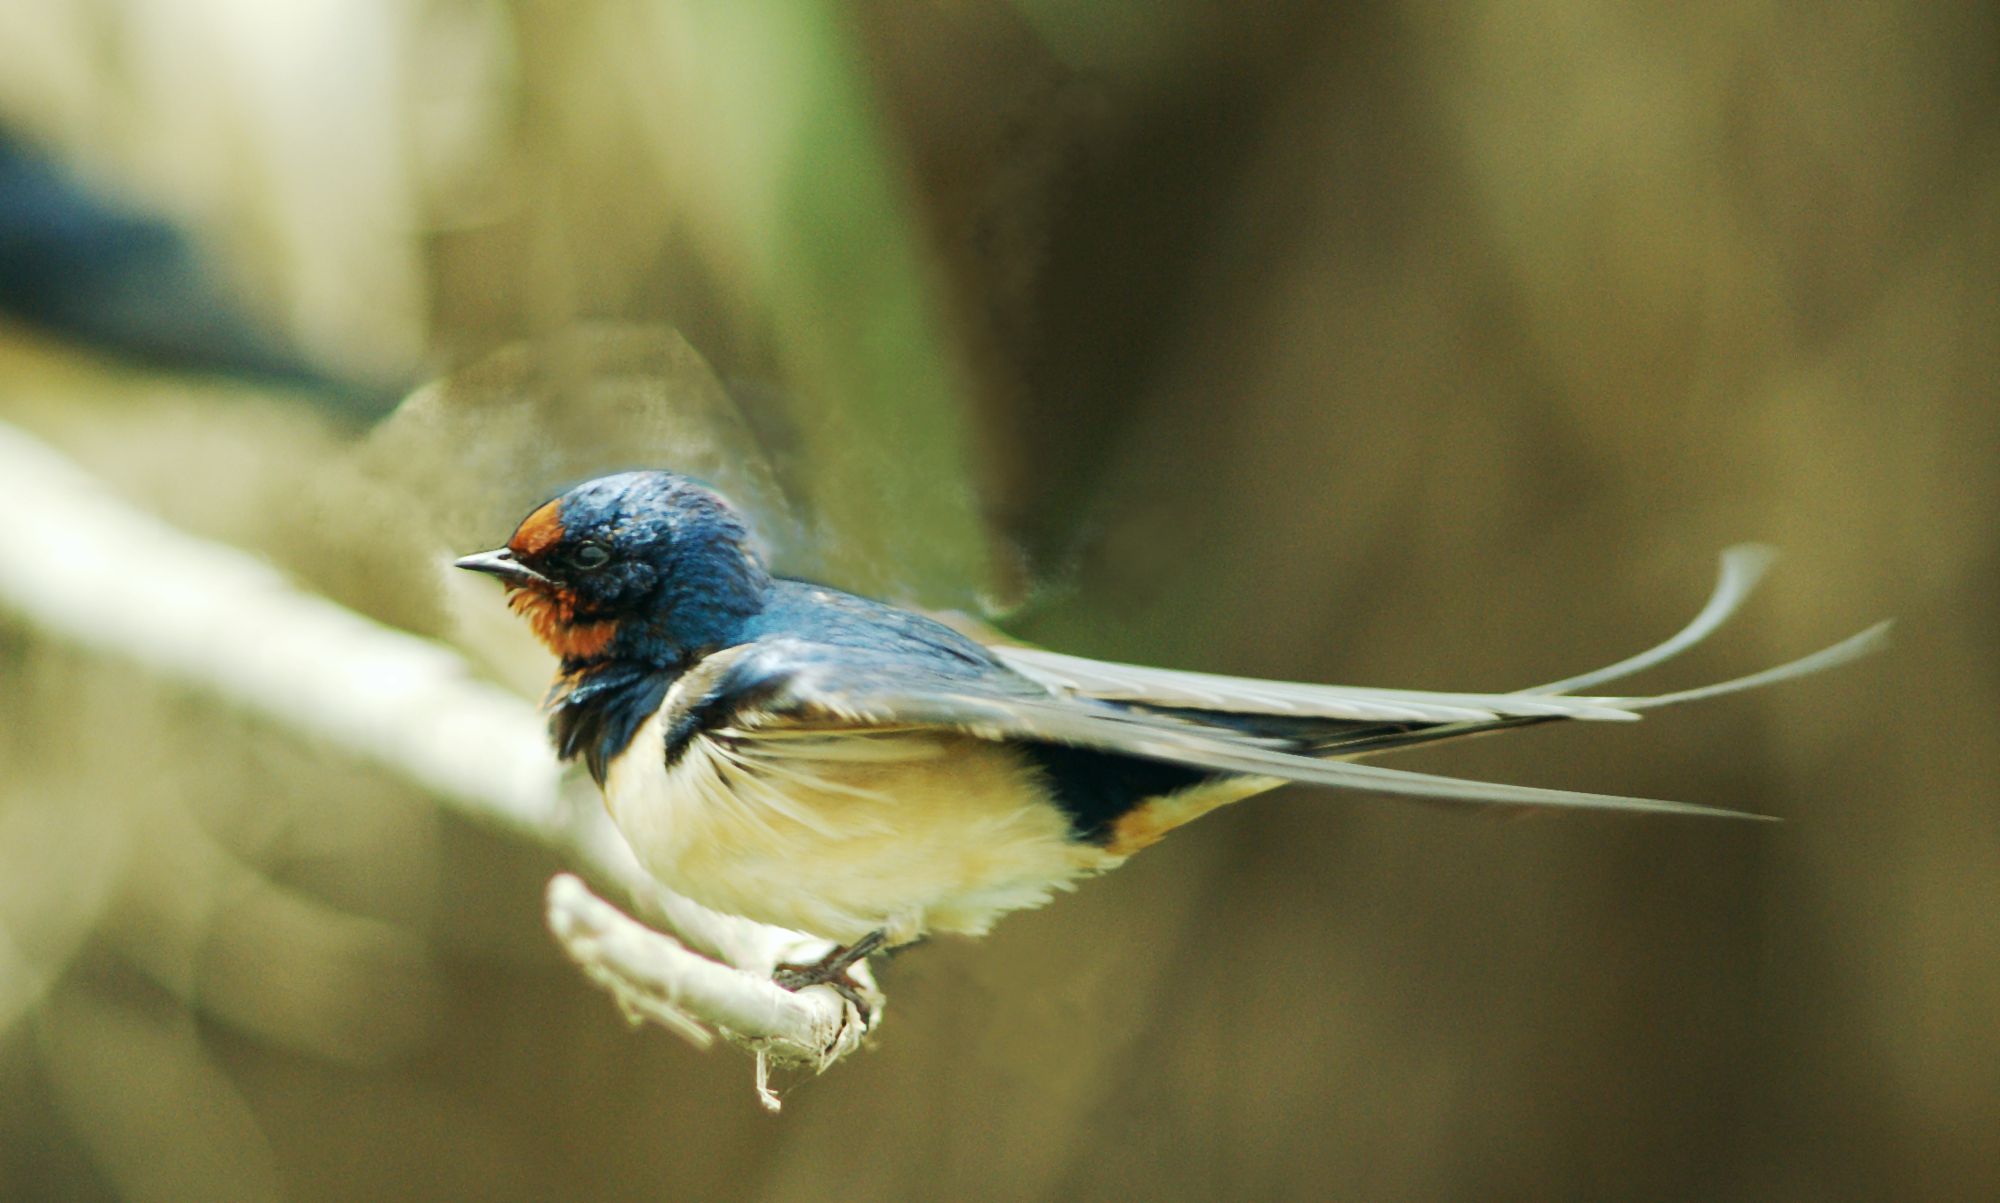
[552, 616]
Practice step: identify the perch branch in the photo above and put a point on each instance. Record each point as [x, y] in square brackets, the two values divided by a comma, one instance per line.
[654, 978]
[86, 566]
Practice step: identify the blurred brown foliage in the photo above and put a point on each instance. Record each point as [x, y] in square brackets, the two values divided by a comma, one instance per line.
[1410, 345]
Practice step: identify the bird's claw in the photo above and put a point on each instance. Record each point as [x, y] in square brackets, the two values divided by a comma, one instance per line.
[833, 970]
[798, 977]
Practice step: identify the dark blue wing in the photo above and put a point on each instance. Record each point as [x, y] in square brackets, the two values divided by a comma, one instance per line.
[854, 686]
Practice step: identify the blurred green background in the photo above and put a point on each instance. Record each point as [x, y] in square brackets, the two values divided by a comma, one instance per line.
[1417, 345]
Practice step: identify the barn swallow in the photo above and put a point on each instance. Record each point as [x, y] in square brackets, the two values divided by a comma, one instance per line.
[807, 758]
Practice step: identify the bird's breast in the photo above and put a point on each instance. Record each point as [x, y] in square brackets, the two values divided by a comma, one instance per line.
[839, 833]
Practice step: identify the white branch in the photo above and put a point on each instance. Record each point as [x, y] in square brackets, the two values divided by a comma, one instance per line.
[653, 977]
[82, 564]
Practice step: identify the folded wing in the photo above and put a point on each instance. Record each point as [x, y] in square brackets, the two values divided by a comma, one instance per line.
[1287, 730]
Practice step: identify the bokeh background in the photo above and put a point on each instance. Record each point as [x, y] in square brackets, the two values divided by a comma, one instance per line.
[1405, 344]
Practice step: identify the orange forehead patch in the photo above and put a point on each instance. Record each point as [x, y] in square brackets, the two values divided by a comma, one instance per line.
[539, 531]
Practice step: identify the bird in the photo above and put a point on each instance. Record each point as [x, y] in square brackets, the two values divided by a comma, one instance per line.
[861, 772]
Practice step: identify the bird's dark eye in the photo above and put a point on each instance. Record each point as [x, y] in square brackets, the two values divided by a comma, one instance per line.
[589, 556]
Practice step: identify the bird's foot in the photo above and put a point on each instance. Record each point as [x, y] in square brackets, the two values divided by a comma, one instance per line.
[832, 970]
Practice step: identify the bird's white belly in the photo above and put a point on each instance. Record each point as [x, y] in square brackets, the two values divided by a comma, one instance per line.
[841, 834]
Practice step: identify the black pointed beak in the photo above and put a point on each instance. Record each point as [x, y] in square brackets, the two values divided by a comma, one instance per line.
[500, 562]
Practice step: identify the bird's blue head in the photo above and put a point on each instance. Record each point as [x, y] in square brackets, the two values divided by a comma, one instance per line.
[642, 565]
